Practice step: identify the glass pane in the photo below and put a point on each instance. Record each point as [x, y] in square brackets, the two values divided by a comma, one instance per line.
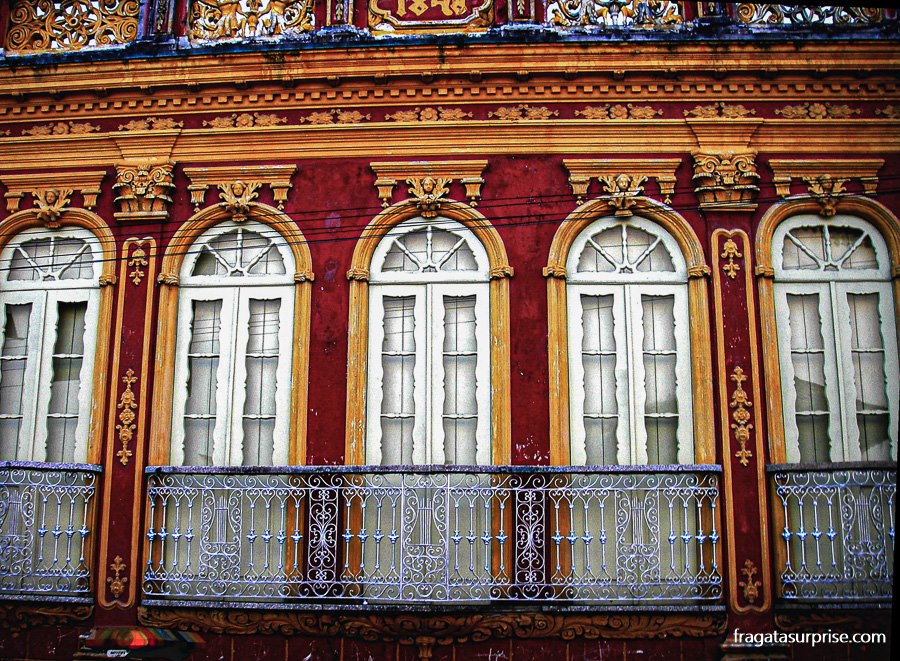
[51, 259]
[662, 447]
[598, 357]
[398, 360]
[262, 367]
[600, 442]
[460, 361]
[852, 248]
[625, 249]
[239, 253]
[874, 443]
[659, 354]
[203, 363]
[429, 250]
[808, 360]
[803, 248]
[68, 356]
[867, 351]
[13, 361]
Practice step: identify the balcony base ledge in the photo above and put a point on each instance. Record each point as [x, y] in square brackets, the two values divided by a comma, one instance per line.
[26, 612]
[427, 629]
[852, 618]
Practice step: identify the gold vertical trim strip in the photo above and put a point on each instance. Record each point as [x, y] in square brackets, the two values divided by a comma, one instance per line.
[725, 416]
[111, 447]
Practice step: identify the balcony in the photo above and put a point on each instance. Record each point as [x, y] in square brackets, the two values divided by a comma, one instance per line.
[378, 537]
[836, 528]
[46, 528]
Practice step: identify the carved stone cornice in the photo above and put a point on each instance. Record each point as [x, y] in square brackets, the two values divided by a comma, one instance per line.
[428, 181]
[726, 180]
[239, 185]
[60, 184]
[17, 616]
[143, 190]
[425, 630]
[825, 178]
[622, 178]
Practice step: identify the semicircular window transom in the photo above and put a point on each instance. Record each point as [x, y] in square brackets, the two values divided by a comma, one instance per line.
[239, 253]
[824, 248]
[429, 250]
[51, 259]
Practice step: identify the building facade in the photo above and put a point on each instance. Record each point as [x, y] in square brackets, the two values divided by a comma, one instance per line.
[421, 329]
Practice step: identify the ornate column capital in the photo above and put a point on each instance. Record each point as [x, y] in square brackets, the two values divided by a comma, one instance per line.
[143, 190]
[726, 180]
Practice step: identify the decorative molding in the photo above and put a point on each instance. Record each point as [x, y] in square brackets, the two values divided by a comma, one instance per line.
[890, 112]
[819, 619]
[619, 111]
[621, 178]
[431, 175]
[245, 120]
[428, 114]
[209, 20]
[143, 190]
[117, 583]
[523, 112]
[825, 178]
[740, 403]
[421, 16]
[137, 261]
[749, 587]
[817, 111]
[554, 271]
[730, 252]
[50, 203]
[61, 128]
[338, 116]
[19, 616]
[64, 26]
[358, 274]
[107, 279]
[726, 180]
[720, 110]
[127, 404]
[239, 185]
[151, 124]
[62, 183]
[426, 631]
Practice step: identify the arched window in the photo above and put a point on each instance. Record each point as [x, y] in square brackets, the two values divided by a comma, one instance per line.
[429, 366]
[629, 346]
[837, 340]
[233, 357]
[49, 311]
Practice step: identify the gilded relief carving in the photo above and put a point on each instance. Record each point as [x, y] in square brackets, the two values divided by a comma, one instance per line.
[613, 13]
[245, 120]
[19, 616]
[70, 24]
[429, 181]
[335, 117]
[891, 112]
[239, 186]
[117, 583]
[137, 262]
[726, 180]
[143, 188]
[825, 179]
[523, 112]
[740, 405]
[817, 111]
[619, 111]
[720, 110]
[730, 252]
[151, 124]
[61, 128]
[127, 406]
[764, 14]
[438, 114]
[210, 20]
[50, 203]
[429, 15]
[749, 587]
[622, 178]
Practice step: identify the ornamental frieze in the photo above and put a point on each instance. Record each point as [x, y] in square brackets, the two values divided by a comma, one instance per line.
[212, 20]
[61, 128]
[771, 15]
[430, 15]
[720, 110]
[622, 179]
[239, 186]
[817, 111]
[428, 181]
[245, 120]
[619, 111]
[614, 14]
[70, 24]
[825, 179]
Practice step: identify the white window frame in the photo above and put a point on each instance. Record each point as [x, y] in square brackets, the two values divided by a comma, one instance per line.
[235, 294]
[45, 297]
[833, 288]
[627, 291]
[429, 290]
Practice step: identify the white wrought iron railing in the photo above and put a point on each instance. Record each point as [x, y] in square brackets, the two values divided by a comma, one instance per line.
[46, 519]
[372, 535]
[836, 528]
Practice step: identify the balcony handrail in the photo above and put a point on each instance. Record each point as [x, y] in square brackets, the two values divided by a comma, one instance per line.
[429, 469]
[830, 467]
[47, 466]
